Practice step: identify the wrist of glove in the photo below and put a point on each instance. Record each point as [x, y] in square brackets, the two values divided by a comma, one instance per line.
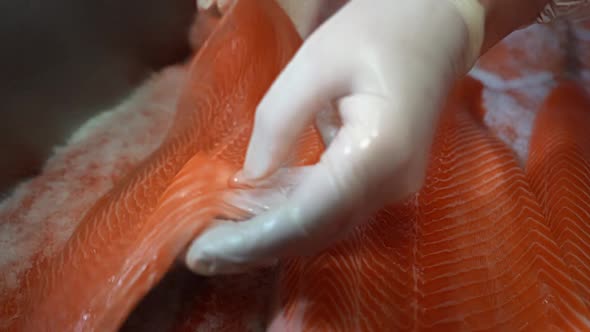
[473, 14]
[570, 9]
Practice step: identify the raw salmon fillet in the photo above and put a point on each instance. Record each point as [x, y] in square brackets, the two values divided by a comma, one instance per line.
[477, 249]
[559, 172]
[132, 235]
[471, 252]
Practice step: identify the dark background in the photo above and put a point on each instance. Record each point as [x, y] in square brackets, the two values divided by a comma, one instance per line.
[62, 61]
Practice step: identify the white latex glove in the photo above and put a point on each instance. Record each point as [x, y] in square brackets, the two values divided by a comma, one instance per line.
[569, 9]
[386, 67]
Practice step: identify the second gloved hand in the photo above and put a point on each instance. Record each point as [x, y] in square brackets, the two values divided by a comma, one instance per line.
[385, 67]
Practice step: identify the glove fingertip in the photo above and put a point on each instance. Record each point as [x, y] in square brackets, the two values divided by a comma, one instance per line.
[205, 4]
[260, 162]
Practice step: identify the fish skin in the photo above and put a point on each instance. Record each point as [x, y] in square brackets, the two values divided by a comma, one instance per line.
[518, 74]
[39, 218]
[470, 252]
[95, 281]
[559, 172]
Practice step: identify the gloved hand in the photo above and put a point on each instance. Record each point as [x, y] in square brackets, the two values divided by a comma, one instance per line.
[385, 67]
